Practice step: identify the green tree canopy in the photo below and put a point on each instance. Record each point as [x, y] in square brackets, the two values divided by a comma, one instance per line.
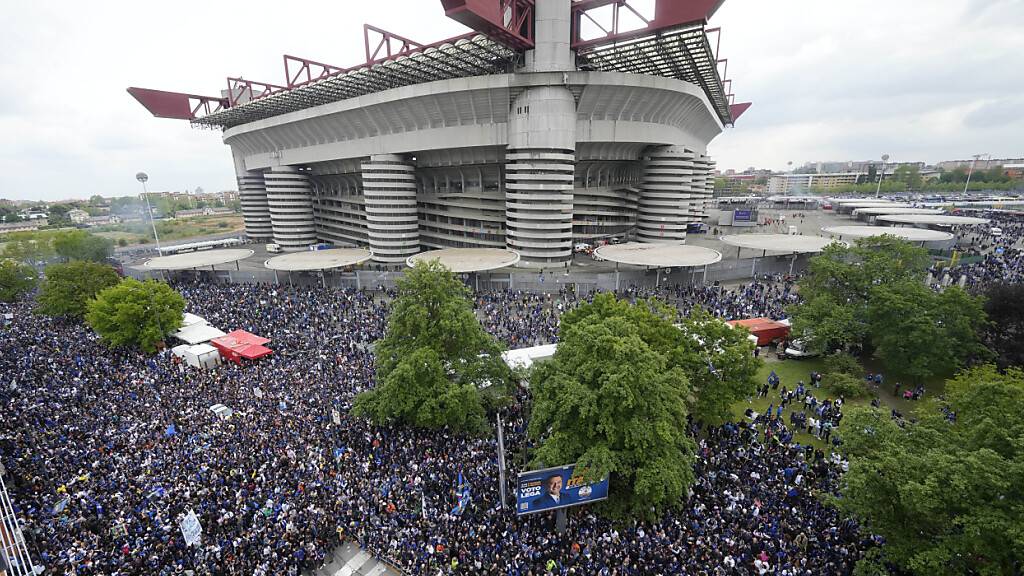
[840, 283]
[719, 363]
[134, 313]
[67, 288]
[16, 280]
[434, 357]
[29, 246]
[610, 402]
[1004, 304]
[921, 333]
[948, 496]
[80, 245]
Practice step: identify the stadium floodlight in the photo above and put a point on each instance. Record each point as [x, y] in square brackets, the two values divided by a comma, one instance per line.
[885, 158]
[143, 178]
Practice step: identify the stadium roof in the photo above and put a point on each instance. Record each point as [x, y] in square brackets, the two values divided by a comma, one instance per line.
[672, 42]
[876, 210]
[471, 55]
[847, 201]
[190, 260]
[658, 255]
[935, 219]
[318, 259]
[786, 243]
[462, 260]
[908, 234]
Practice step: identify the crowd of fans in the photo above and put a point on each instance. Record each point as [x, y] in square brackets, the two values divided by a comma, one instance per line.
[106, 450]
[1002, 255]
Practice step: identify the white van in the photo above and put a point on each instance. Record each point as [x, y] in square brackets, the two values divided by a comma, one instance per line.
[799, 349]
[273, 248]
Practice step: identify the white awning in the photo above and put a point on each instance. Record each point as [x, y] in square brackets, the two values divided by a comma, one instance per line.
[198, 333]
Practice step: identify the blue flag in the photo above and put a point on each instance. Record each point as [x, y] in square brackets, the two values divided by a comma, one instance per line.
[171, 430]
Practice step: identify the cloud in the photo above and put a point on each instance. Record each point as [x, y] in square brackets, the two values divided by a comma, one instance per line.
[829, 80]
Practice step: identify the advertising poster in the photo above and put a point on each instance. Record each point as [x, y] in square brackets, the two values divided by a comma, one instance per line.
[552, 488]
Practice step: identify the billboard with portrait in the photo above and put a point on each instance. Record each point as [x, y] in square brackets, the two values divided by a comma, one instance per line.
[558, 487]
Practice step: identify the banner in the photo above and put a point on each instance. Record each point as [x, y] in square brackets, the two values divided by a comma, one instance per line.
[552, 488]
[191, 529]
[742, 215]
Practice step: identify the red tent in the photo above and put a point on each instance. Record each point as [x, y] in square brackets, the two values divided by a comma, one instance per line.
[241, 344]
[766, 329]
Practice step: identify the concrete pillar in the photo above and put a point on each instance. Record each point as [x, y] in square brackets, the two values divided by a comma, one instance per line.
[539, 170]
[392, 219]
[252, 194]
[676, 189]
[551, 38]
[290, 199]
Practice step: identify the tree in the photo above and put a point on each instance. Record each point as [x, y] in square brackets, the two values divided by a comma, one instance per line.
[1004, 304]
[839, 285]
[80, 245]
[29, 246]
[719, 364]
[947, 493]
[134, 313]
[68, 287]
[16, 279]
[610, 402]
[97, 200]
[58, 215]
[920, 333]
[910, 175]
[434, 358]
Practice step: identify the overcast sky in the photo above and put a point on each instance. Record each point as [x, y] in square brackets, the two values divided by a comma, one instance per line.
[830, 80]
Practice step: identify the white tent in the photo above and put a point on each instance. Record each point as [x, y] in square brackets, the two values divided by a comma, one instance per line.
[198, 333]
[202, 356]
[188, 319]
[525, 357]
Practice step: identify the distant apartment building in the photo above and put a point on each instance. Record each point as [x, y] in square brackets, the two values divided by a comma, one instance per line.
[1014, 171]
[78, 216]
[981, 164]
[735, 184]
[789, 184]
[858, 166]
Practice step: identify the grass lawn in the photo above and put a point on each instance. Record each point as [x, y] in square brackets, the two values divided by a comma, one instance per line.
[173, 229]
[792, 371]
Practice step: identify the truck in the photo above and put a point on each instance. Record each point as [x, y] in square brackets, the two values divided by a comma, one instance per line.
[765, 329]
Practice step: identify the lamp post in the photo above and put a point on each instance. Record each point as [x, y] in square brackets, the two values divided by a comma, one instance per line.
[971, 171]
[143, 178]
[878, 190]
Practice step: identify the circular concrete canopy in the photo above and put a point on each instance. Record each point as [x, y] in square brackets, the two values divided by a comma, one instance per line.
[877, 210]
[908, 234]
[201, 259]
[935, 219]
[788, 243]
[318, 259]
[849, 201]
[462, 260]
[658, 255]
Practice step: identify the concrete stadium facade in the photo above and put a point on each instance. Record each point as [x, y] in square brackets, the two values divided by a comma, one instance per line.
[535, 160]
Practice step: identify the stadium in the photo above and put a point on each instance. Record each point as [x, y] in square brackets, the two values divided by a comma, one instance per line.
[546, 126]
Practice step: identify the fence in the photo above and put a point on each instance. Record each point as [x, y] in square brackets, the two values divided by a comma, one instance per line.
[548, 281]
